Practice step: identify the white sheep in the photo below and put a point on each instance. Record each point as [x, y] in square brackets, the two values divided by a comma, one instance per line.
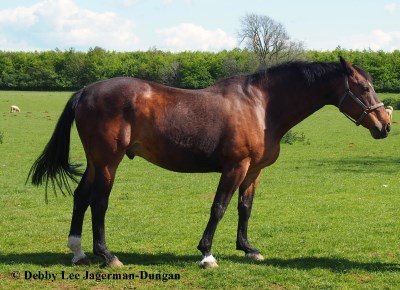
[14, 109]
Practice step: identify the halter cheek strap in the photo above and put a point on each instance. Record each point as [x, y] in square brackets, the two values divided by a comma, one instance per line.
[366, 110]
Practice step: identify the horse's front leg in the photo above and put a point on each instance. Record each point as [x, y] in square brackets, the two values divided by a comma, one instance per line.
[230, 180]
[99, 203]
[245, 203]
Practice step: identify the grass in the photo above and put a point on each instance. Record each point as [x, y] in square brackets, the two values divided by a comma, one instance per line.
[325, 215]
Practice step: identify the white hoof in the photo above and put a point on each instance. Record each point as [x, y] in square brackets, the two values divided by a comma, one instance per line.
[255, 256]
[208, 262]
[115, 263]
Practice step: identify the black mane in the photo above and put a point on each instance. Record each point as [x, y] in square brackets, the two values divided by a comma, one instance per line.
[363, 73]
[306, 72]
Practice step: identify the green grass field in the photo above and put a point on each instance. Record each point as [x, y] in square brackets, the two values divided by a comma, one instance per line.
[326, 215]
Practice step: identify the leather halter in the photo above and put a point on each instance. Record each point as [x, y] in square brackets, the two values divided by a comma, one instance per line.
[366, 110]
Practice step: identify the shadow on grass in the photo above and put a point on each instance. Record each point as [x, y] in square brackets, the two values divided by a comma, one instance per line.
[339, 265]
[50, 259]
[42, 259]
[361, 164]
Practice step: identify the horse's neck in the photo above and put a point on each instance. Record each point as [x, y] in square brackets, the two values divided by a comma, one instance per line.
[285, 110]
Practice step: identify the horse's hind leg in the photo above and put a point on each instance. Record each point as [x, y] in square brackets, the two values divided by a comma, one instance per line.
[245, 203]
[104, 179]
[94, 191]
[81, 203]
[231, 178]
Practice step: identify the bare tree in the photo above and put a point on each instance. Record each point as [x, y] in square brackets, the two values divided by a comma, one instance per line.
[268, 39]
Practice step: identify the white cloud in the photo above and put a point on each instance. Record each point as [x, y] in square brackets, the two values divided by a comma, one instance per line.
[15, 45]
[170, 2]
[63, 24]
[20, 17]
[376, 39]
[391, 7]
[188, 36]
[128, 3]
[382, 37]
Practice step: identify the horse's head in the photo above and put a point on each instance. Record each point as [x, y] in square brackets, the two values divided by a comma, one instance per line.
[359, 101]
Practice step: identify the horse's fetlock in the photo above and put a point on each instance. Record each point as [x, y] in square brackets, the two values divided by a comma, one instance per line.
[99, 249]
[204, 247]
[239, 246]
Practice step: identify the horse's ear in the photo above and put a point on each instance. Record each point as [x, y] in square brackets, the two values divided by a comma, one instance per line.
[346, 66]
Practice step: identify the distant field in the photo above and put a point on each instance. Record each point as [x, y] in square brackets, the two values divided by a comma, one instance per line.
[326, 215]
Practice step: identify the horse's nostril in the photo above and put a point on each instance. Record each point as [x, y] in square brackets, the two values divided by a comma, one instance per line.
[388, 127]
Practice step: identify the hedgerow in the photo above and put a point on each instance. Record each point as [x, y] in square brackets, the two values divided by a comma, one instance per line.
[71, 70]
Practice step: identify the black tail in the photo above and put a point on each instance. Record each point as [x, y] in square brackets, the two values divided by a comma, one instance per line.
[53, 164]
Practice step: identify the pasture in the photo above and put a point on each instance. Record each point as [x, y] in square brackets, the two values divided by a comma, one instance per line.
[326, 214]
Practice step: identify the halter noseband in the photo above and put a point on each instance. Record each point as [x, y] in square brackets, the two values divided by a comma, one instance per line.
[366, 110]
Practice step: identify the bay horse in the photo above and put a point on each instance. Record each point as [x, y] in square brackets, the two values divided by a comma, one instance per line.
[233, 127]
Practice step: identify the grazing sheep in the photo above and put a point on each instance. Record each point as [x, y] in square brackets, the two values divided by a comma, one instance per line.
[14, 109]
[389, 110]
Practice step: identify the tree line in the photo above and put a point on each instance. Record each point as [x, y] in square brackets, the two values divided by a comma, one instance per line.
[71, 70]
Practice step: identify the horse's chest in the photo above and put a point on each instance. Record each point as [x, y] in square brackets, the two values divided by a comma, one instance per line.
[267, 157]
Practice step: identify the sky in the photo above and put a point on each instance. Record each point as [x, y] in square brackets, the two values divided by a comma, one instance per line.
[203, 25]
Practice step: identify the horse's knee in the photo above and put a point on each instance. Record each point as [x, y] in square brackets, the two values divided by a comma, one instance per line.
[217, 211]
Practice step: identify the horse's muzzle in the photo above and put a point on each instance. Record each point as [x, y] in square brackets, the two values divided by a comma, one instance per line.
[380, 133]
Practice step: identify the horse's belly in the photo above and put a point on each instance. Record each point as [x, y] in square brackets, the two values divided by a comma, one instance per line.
[188, 167]
[176, 157]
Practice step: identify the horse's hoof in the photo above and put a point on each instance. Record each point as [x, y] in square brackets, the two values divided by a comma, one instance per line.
[209, 265]
[82, 262]
[255, 256]
[208, 262]
[115, 263]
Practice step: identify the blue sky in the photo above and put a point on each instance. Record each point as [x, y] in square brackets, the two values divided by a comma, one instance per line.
[206, 25]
